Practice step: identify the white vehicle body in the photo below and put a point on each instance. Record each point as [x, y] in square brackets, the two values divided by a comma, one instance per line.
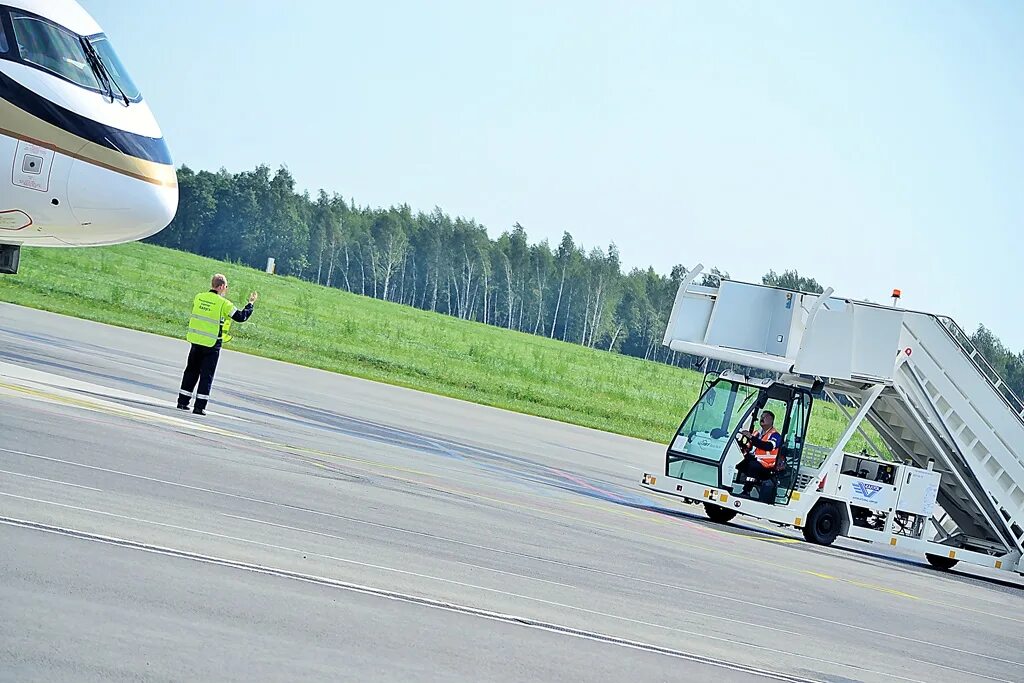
[88, 163]
[951, 484]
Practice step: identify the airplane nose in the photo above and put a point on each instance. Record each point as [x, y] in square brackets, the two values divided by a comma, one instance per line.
[113, 206]
[161, 208]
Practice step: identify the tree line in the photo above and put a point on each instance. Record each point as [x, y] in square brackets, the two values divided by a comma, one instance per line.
[450, 265]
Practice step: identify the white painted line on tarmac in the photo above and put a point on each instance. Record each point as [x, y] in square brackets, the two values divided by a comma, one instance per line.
[410, 598]
[394, 570]
[34, 379]
[682, 609]
[292, 507]
[55, 395]
[714, 596]
[39, 377]
[52, 481]
[771, 650]
[464, 564]
[136, 476]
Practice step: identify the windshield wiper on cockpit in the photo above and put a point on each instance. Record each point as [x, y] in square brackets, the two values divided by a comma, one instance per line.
[101, 71]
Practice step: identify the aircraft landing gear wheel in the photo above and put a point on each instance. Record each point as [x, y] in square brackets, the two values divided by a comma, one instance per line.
[823, 524]
[940, 561]
[717, 513]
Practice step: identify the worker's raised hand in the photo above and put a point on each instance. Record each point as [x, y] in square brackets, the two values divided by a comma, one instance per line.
[252, 297]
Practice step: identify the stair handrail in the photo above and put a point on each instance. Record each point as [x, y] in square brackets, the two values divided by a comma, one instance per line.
[998, 384]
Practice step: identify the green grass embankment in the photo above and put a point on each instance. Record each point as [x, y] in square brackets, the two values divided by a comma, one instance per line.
[150, 288]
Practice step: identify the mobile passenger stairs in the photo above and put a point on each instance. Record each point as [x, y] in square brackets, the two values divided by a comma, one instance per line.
[948, 480]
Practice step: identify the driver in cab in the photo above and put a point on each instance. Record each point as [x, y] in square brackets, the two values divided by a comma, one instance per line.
[760, 451]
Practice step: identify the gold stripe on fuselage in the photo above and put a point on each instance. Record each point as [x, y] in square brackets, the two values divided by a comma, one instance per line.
[19, 124]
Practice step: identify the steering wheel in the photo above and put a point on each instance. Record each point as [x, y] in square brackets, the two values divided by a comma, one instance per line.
[744, 442]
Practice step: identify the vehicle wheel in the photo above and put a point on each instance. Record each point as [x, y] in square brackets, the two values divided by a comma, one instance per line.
[824, 523]
[940, 561]
[717, 513]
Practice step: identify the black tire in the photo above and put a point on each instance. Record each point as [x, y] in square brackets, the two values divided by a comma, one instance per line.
[940, 561]
[717, 513]
[824, 523]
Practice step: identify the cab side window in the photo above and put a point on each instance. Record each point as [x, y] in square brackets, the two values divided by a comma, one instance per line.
[778, 409]
[797, 417]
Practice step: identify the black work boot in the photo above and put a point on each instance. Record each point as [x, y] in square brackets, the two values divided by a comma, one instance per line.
[183, 400]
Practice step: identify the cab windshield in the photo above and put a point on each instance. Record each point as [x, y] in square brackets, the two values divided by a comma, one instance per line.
[54, 49]
[706, 430]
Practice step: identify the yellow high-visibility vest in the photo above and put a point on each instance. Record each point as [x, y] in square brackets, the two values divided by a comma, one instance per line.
[209, 311]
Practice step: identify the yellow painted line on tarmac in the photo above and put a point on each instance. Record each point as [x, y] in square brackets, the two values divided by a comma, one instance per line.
[737, 558]
[883, 589]
[661, 520]
[743, 558]
[108, 409]
[645, 516]
[818, 574]
[861, 584]
[376, 466]
[150, 417]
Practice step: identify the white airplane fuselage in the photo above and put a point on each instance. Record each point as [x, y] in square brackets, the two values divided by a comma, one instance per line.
[82, 159]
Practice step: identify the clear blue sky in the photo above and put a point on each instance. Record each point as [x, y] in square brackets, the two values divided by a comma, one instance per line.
[870, 145]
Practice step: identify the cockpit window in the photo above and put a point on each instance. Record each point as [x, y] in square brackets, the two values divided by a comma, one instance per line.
[114, 67]
[54, 49]
[3, 39]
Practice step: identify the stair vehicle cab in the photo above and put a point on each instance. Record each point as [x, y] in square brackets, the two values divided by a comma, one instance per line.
[708, 448]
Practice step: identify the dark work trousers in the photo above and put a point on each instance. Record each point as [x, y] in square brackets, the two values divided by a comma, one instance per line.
[202, 363]
[751, 467]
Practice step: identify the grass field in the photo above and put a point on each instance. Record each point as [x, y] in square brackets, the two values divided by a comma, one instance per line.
[150, 288]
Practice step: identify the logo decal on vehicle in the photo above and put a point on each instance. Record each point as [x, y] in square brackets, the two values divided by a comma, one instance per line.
[865, 489]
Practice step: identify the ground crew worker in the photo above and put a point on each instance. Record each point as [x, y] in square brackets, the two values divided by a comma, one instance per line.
[762, 451]
[206, 327]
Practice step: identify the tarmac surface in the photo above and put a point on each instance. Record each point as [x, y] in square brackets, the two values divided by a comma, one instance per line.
[315, 526]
